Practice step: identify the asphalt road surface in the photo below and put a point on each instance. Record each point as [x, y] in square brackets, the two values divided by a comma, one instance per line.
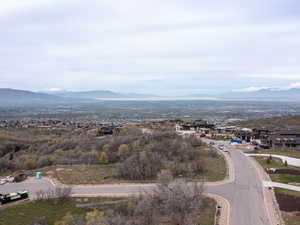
[245, 193]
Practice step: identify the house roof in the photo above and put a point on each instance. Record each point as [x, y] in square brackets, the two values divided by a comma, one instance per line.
[286, 136]
[287, 132]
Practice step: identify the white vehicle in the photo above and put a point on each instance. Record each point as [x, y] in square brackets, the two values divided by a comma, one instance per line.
[2, 181]
[225, 149]
[9, 179]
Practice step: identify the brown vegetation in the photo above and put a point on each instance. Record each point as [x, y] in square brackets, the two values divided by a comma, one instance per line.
[59, 195]
[173, 203]
[138, 155]
[274, 123]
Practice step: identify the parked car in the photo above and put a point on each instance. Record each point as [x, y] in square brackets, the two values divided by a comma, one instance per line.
[20, 177]
[9, 179]
[15, 196]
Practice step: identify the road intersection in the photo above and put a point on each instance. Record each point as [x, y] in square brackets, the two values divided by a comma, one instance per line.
[243, 189]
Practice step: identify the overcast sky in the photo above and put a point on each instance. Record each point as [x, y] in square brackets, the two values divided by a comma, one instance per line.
[168, 47]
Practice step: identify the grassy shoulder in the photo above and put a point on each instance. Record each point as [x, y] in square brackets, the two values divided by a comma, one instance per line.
[26, 213]
[278, 164]
[289, 205]
[290, 153]
[82, 174]
[215, 170]
[208, 213]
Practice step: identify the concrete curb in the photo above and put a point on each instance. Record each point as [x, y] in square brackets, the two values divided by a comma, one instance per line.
[113, 195]
[225, 210]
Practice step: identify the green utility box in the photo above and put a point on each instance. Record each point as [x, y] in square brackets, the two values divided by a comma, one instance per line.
[39, 175]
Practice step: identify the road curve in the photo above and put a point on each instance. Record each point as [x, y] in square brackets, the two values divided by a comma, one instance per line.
[244, 193]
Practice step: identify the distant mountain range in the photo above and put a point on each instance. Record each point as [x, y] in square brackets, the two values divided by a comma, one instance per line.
[99, 94]
[19, 97]
[13, 97]
[266, 94]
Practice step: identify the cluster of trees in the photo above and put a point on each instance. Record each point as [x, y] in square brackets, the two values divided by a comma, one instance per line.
[140, 155]
[161, 150]
[29, 150]
[172, 203]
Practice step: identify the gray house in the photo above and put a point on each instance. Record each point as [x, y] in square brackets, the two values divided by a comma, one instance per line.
[285, 140]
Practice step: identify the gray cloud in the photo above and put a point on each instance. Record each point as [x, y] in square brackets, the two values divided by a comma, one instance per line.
[162, 46]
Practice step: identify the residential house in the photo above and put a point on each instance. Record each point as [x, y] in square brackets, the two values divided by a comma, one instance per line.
[200, 126]
[261, 134]
[285, 140]
[244, 134]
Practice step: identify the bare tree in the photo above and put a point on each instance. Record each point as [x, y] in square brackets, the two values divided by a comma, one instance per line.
[59, 194]
[179, 200]
[62, 194]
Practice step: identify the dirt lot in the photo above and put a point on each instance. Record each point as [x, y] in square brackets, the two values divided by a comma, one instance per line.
[289, 204]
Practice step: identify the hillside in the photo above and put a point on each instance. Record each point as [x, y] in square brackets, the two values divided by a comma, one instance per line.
[17, 94]
[274, 123]
[292, 94]
[98, 94]
[21, 97]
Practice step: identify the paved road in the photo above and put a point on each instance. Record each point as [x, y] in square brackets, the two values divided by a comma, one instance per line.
[31, 184]
[291, 161]
[245, 193]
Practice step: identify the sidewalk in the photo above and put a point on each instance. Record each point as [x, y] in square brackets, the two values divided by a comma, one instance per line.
[281, 185]
[291, 161]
